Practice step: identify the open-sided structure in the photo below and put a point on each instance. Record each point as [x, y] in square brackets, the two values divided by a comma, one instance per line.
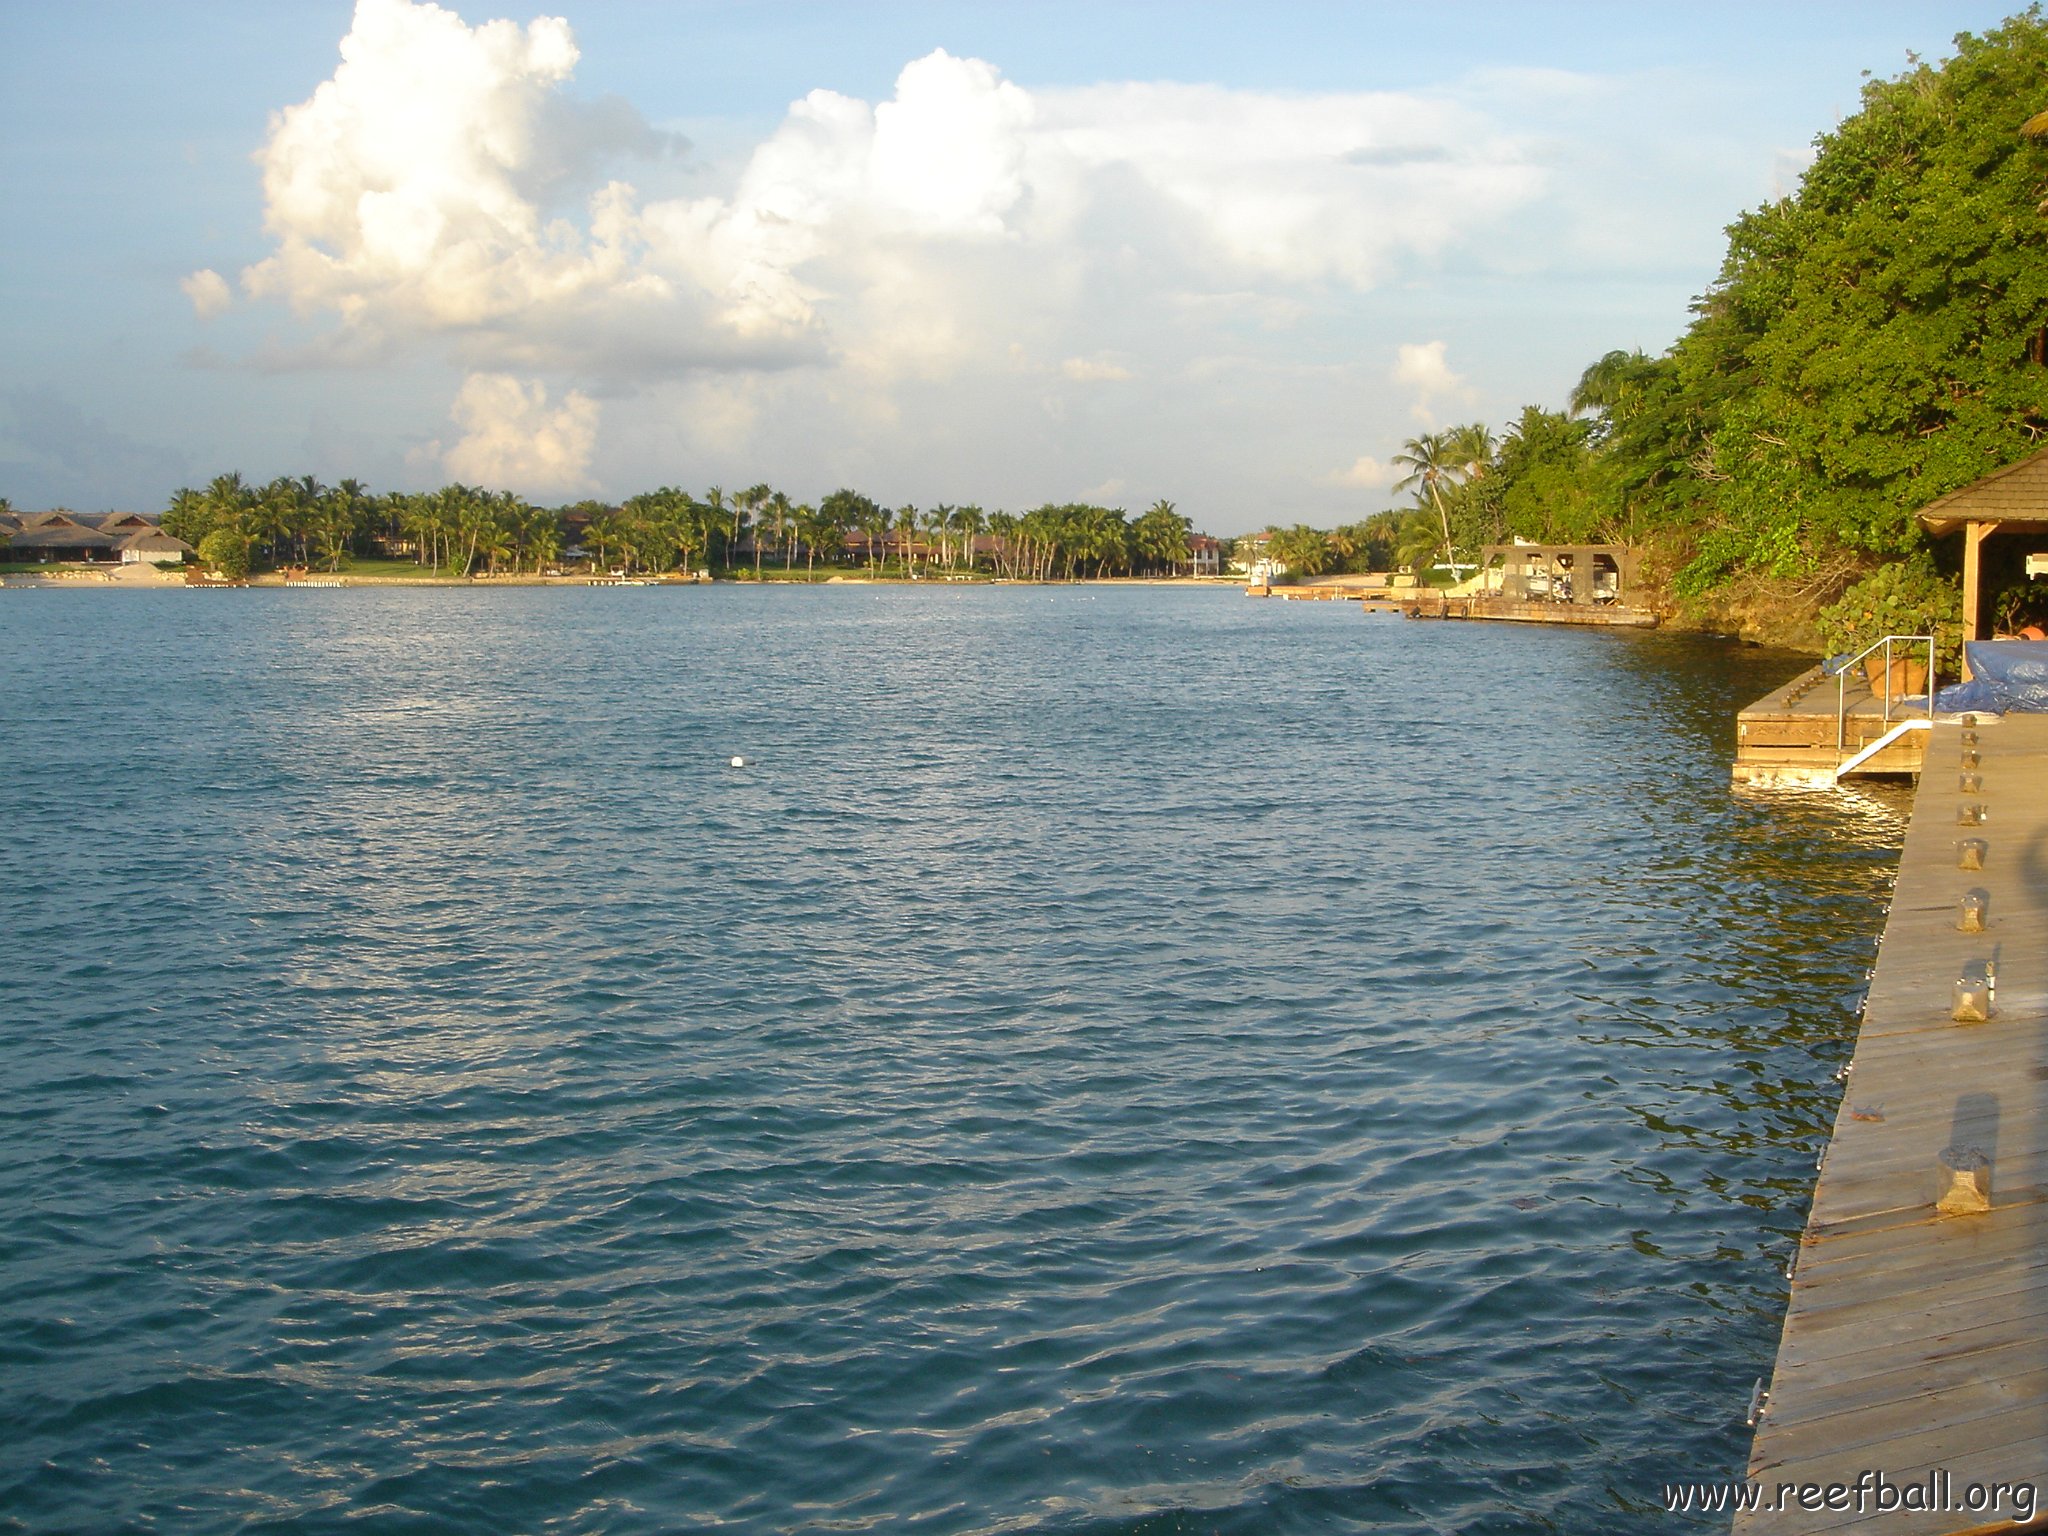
[1582, 574]
[2003, 518]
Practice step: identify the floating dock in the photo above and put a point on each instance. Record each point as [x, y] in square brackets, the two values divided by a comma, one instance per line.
[1915, 1349]
[1789, 736]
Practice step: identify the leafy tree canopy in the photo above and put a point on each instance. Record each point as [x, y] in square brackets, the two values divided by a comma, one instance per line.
[1871, 342]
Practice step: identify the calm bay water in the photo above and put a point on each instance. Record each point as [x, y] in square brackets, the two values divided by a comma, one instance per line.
[1114, 1061]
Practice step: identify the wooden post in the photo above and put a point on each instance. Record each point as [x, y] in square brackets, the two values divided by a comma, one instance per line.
[1974, 535]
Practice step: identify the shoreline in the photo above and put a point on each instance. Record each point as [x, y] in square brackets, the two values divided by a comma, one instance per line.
[132, 578]
[149, 579]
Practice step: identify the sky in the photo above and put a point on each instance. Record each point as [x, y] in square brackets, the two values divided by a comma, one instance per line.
[1226, 255]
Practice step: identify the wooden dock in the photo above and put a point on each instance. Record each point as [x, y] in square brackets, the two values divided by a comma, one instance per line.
[1441, 605]
[1428, 603]
[1915, 1346]
[1787, 737]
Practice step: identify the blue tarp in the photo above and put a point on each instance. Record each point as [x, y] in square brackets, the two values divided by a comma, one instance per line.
[2006, 677]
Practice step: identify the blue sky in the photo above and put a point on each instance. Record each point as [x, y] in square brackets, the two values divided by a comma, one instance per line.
[1000, 253]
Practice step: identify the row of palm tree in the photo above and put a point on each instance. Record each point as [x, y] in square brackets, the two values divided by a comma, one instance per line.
[300, 520]
[464, 529]
[1471, 487]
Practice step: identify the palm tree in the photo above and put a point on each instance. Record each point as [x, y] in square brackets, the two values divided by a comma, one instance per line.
[274, 513]
[1162, 535]
[714, 504]
[748, 504]
[1431, 460]
[1302, 549]
[500, 534]
[1342, 543]
[229, 500]
[1610, 386]
[606, 529]
[339, 519]
[874, 522]
[1472, 450]
[779, 510]
[1003, 525]
[540, 535]
[1415, 538]
[906, 525]
[971, 522]
[186, 518]
[813, 528]
[469, 510]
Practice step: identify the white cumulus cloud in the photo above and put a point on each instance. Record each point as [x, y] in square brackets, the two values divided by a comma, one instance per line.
[1423, 370]
[512, 438]
[431, 186]
[1095, 370]
[1365, 473]
[208, 291]
[871, 286]
[407, 188]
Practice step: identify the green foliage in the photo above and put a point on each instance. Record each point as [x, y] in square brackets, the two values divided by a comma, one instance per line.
[1160, 537]
[1872, 342]
[1547, 484]
[226, 551]
[2020, 605]
[464, 530]
[1302, 549]
[1901, 597]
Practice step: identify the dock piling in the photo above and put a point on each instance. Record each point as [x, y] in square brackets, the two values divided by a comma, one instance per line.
[1963, 1181]
[1972, 910]
[1972, 1000]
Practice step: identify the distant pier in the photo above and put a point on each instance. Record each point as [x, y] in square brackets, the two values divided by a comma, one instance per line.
[1441, 605]
[1429, 603]
[1915, 1349]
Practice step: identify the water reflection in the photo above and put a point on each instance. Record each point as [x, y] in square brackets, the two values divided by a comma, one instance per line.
[1116, 1059]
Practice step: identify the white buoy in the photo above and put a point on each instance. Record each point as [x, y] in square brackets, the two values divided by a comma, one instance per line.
[739, 762]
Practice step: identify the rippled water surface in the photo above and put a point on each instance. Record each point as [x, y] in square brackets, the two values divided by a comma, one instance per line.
[1113, 1061]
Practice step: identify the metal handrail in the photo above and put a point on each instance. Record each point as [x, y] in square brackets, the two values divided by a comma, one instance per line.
[1842, 683]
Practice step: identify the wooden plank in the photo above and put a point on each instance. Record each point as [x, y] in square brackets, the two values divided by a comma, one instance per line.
[1991, 1465]
[1983, 1315]
[1914, 1340]
[2013, 1358]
